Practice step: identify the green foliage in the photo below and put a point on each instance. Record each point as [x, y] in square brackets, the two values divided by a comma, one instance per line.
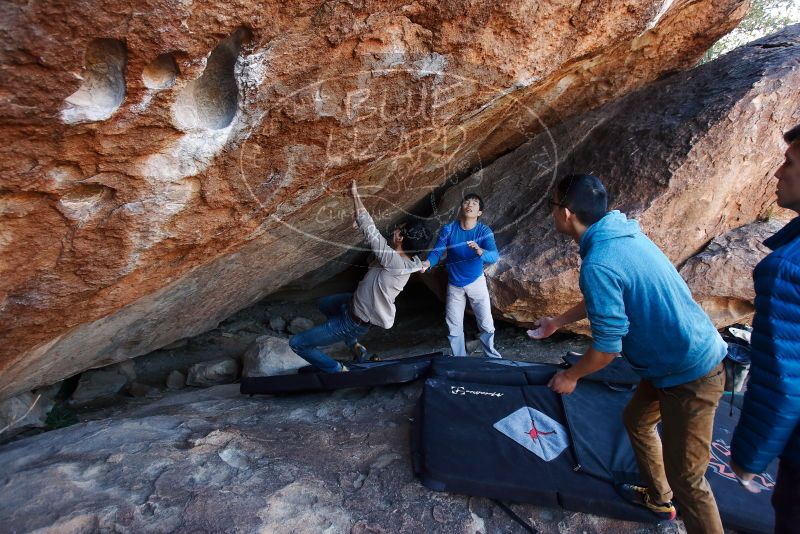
[763, 18]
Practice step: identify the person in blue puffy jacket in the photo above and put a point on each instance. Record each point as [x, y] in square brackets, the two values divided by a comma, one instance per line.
[770, 422]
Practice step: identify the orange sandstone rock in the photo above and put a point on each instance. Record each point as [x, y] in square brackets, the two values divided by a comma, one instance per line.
[166, 163]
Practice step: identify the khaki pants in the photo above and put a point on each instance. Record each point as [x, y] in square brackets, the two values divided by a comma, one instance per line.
[687, 415]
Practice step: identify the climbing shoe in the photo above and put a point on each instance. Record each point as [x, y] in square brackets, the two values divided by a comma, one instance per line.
[639, 495]
[344, 368]
[359, 352]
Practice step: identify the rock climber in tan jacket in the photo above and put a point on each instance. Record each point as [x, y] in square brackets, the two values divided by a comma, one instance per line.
[350, 315]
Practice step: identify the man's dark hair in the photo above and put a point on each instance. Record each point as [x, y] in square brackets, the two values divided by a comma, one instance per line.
[415, 238]
[584, 195]
[470, 196]
[792, 135]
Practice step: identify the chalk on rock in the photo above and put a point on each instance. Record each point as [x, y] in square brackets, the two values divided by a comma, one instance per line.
[103, 87]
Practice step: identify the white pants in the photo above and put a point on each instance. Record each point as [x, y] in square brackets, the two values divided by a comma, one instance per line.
[477, 293]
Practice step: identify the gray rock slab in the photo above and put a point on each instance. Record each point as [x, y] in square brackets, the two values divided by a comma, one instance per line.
[212, 460]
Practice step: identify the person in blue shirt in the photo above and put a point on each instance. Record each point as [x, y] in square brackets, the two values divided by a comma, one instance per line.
[769, 426]
[638, 305]
[469, 245]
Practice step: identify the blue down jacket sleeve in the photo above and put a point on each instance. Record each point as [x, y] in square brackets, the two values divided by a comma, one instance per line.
[770, 420]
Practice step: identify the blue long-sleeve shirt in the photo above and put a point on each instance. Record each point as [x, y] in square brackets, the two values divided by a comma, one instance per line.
[464, 266]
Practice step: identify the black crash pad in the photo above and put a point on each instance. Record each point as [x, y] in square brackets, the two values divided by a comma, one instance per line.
[368, 374]
[492, 371]
[457, 446]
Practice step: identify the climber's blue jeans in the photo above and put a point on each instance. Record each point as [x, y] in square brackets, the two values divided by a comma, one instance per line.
[340, 326]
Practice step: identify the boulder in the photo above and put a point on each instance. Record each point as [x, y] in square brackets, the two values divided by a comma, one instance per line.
[164, 169]
[690, 157]
[101, 383]
[270, 355]
[213, 373]
[721, 276]
[176, 380]
[277, 324]
[23, 412]
[300, 324]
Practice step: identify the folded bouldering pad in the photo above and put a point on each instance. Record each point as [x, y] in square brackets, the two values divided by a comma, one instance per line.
[524, 443]
[367, 374]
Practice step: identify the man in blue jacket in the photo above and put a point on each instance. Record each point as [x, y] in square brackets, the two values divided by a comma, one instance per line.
[469, 245]
[638, 305]
[770, 423]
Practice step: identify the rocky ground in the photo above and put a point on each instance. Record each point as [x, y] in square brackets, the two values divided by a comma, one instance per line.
[212, 460]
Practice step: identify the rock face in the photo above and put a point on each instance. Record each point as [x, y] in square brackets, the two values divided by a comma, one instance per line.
[167, 164]
[691, 157]
[22, 412]
[212, 460]
[721, 276]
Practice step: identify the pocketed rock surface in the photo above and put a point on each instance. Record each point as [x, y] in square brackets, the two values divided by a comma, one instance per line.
[167, 163]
